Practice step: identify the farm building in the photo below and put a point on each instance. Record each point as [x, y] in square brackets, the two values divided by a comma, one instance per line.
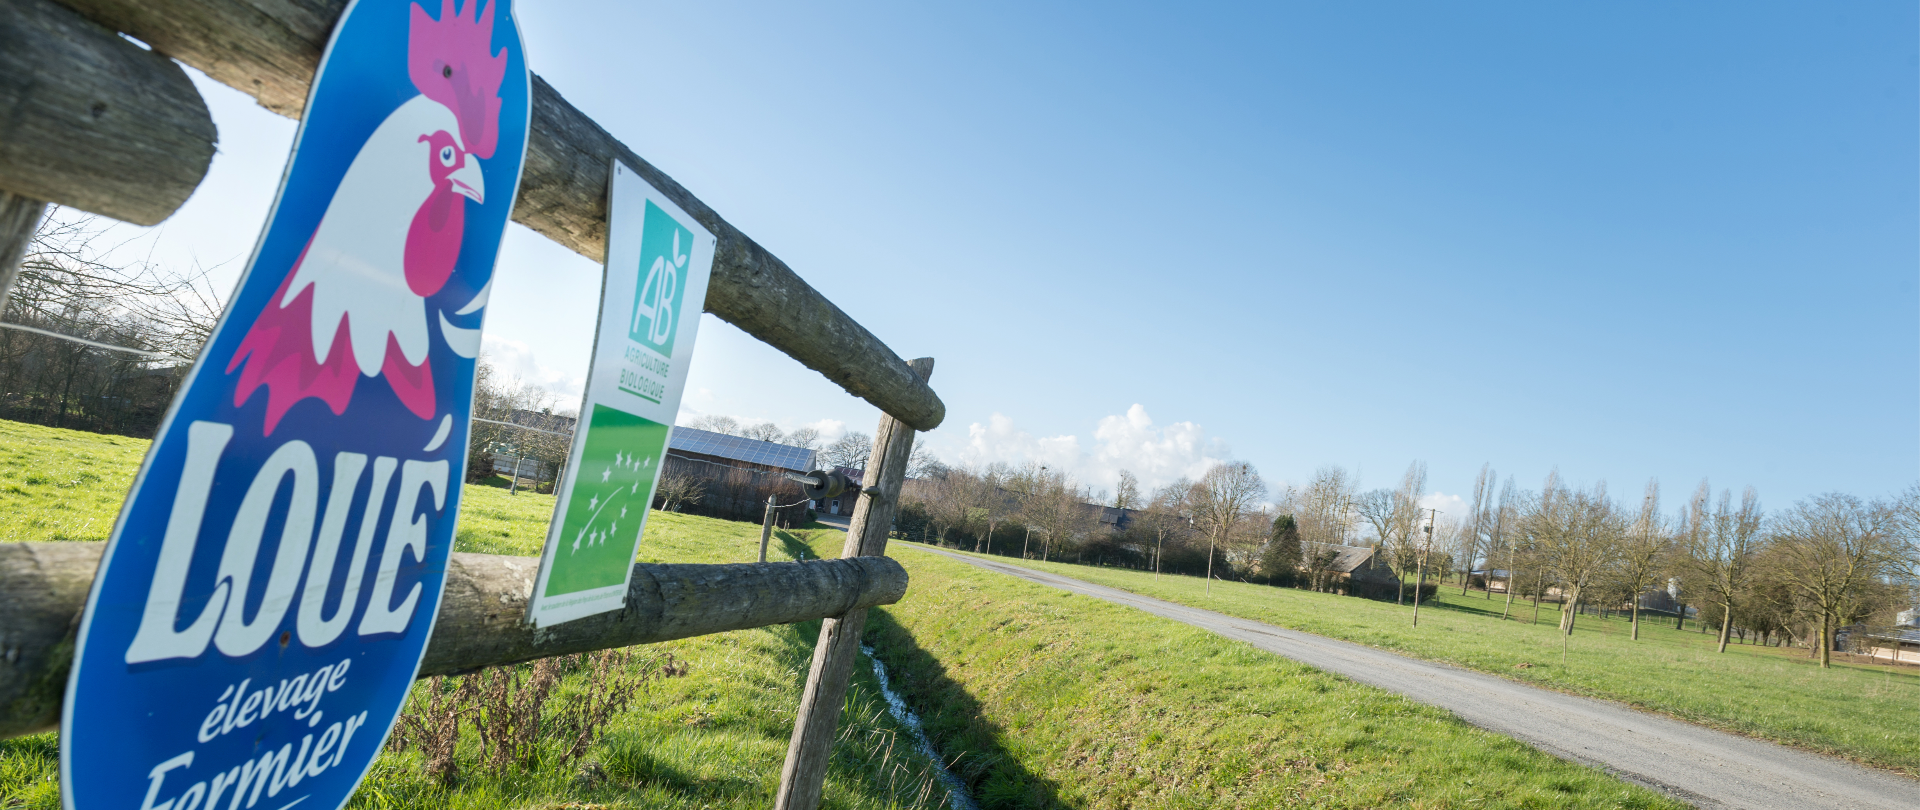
[535, 453]
[1493, 579]
[1895, 645]
[1353, 570]
[731, 477]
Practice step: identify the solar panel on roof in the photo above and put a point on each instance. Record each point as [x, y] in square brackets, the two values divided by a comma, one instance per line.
[754, 451]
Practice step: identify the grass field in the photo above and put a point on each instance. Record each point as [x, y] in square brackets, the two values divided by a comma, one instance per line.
[62, 484]
[1869, 713]
[714, 738]
[1047, 699]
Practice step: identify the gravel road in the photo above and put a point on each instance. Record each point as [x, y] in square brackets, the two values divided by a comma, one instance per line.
[1711, 769]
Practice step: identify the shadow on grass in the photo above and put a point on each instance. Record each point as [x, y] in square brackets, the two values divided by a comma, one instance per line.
[794, 546]
[974, 747]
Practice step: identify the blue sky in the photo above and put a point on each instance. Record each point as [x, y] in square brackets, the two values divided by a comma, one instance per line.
[1628, 241]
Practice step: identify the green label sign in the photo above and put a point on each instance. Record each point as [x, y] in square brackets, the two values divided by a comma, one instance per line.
[663, 262]
[600, 524]
[658, 260]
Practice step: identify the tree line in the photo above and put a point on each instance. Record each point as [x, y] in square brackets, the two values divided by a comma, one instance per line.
[1794, 576]
[75, 281]
[1198, 527]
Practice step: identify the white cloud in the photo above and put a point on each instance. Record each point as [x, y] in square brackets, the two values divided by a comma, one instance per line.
[515, 359]
[830, 430]
[1451, 506]
[1131, 441]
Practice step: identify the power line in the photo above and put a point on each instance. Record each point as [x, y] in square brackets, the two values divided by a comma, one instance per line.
[94, 343]
[522, 427]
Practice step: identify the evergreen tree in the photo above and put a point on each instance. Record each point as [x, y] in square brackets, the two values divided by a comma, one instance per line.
[1280, 561]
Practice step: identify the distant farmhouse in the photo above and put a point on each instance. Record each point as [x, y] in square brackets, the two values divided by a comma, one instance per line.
[1350, 570]
[533, 455]
[731, 476]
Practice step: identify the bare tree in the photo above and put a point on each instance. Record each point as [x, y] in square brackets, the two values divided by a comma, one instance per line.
[1578, 533]
[1476, 528]
[1643, 552]
[1506, 537]
[1127, 494]
[1721, 542]
[804, 437]
[1395, 518]
[1408, 551]
[1325, 505]
[1055, 506]
[765, 431]
[1833, 548]
[1167, 516]
[945, 500]
[990, 502]
[1318, 561]
[715, 423]
[1220, 503]
[517, 419]
[848, 451]
[923, 463]
[99, 339]
[678, 489]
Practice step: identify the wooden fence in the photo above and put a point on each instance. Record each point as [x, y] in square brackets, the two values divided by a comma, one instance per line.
[95, 122]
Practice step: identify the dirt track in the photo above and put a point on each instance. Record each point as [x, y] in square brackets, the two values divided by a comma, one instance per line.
[1709, 768]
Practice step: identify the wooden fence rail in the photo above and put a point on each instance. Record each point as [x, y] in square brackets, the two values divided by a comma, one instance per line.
[90, 120]
[270, 50]
[44, 585]
[68, 88]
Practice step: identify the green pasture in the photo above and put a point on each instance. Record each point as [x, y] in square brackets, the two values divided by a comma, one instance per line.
[1046, 699]
[62, 484]
[1868, 713]
[1042, 699]
[714, 738]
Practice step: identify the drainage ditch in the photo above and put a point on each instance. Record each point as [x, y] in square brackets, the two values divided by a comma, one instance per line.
[956, 790]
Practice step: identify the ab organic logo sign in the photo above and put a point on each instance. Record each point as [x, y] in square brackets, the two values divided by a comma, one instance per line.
[657, 304]
[660, 260]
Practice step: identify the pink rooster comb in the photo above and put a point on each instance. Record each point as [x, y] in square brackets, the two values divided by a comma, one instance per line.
[451, 61]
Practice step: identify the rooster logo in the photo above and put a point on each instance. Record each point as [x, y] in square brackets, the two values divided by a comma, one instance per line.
[355, 302]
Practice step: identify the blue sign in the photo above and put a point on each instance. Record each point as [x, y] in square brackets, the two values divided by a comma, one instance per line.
[273, 579]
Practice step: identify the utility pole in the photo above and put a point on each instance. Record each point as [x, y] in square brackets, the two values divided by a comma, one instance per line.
[1512, 547]
[1420, 581]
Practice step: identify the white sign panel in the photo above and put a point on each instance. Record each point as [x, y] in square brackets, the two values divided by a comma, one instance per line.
[658, 260]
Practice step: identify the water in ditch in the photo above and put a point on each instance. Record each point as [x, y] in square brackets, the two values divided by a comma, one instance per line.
[956, 789]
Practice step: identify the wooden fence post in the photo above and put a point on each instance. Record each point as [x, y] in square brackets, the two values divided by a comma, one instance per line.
[805, 771]
[18, 217]
[766, 528]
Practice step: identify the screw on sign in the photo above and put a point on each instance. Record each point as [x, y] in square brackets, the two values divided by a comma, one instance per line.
[270, 586]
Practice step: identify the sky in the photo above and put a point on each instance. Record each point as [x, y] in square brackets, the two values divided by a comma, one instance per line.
[1625, 241]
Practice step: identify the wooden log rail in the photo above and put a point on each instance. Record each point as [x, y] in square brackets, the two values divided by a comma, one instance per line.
[43, 587]
[270, 49]
[92, 121]
[69, 88]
